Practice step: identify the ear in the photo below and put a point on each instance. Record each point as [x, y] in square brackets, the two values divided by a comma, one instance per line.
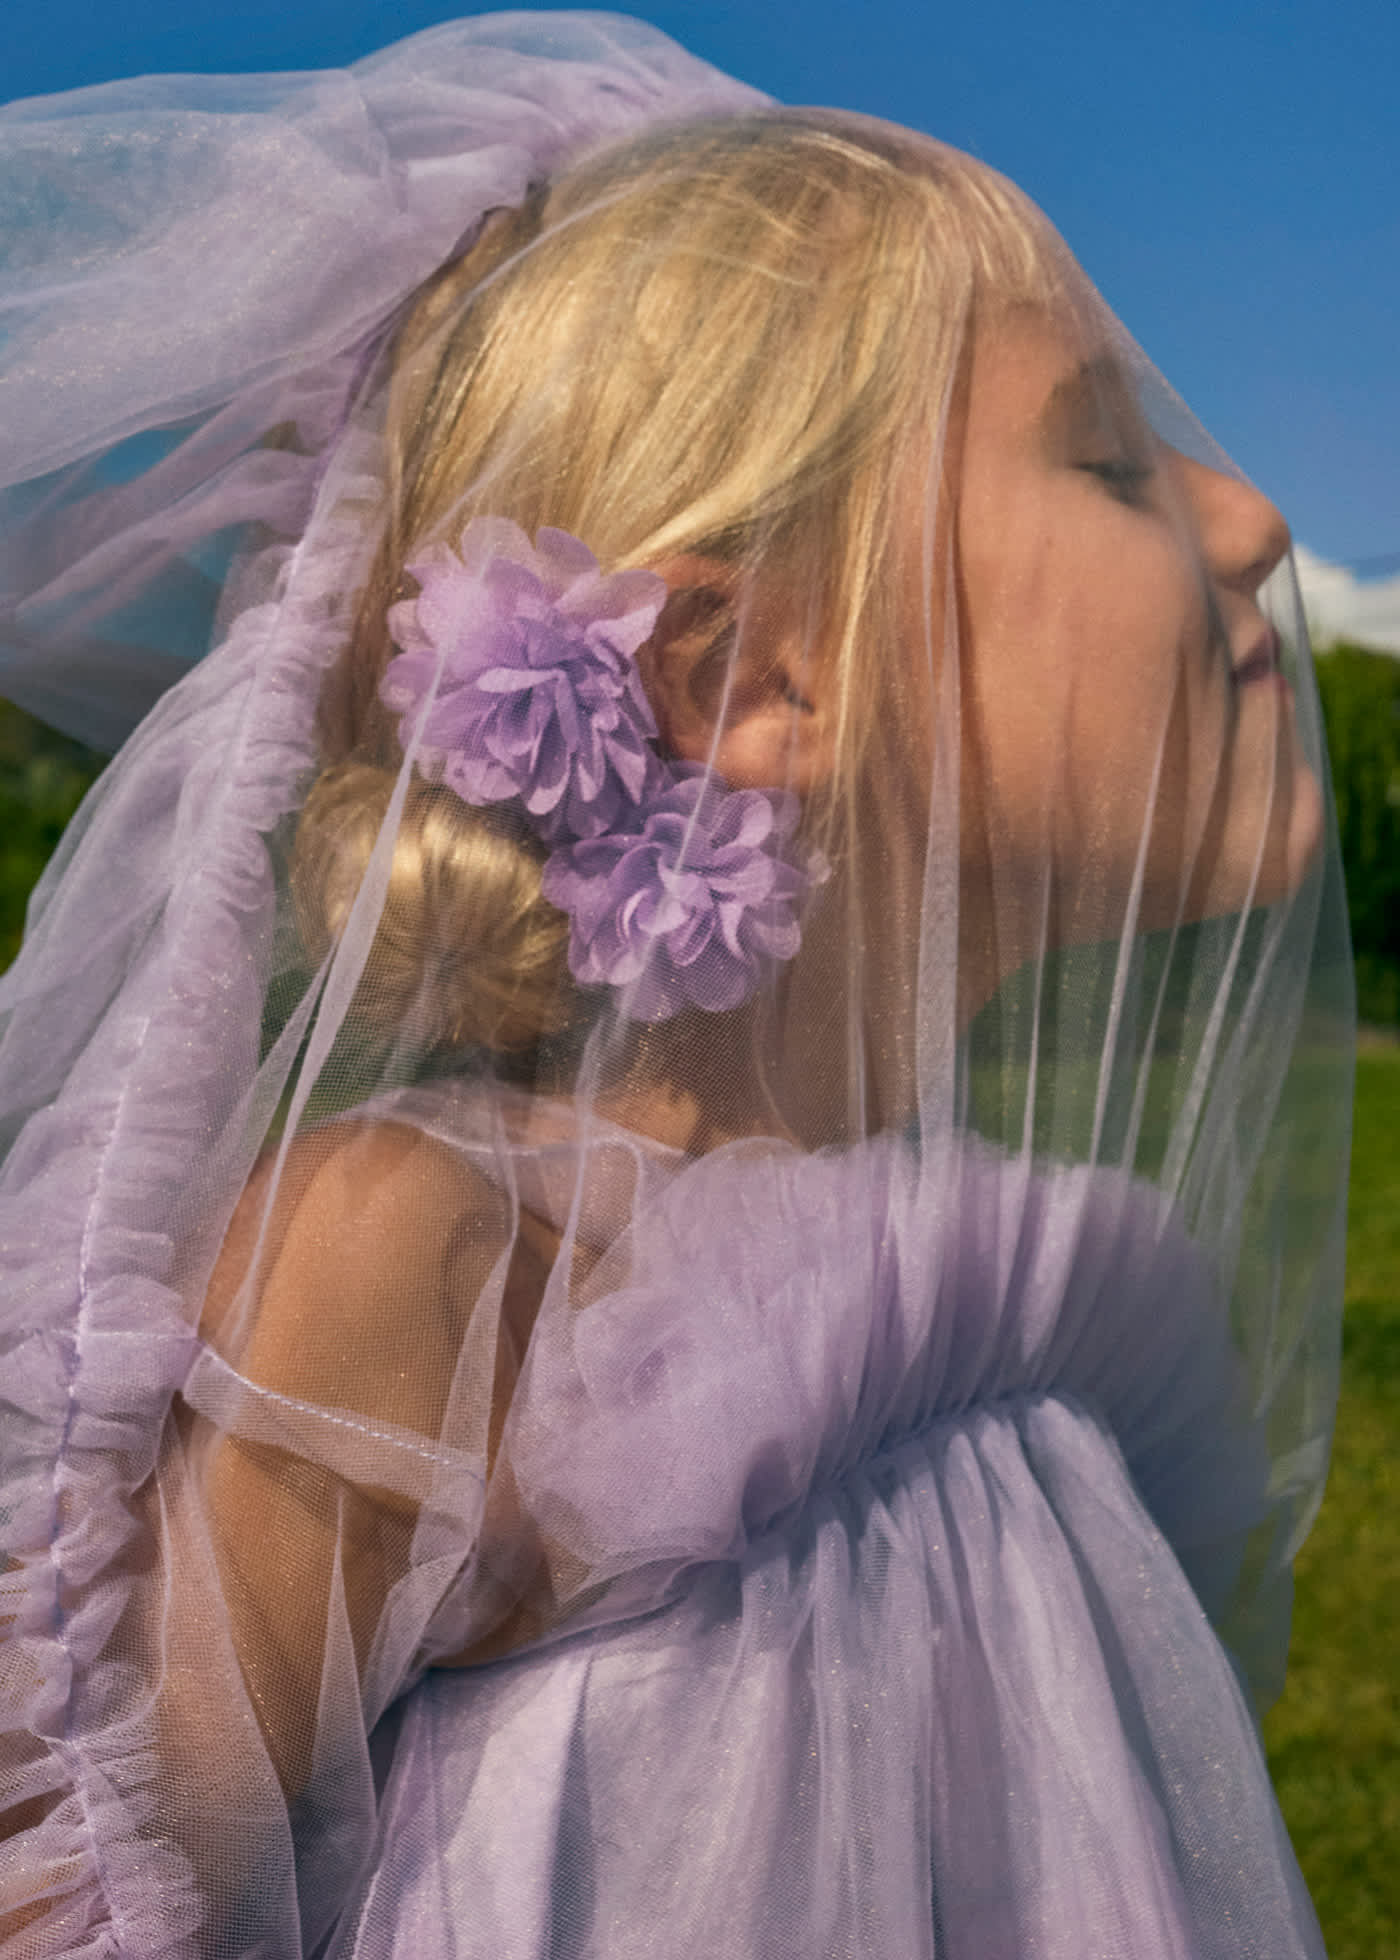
[733, 678]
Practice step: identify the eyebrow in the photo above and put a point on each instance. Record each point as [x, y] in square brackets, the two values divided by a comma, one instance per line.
[1096, 386]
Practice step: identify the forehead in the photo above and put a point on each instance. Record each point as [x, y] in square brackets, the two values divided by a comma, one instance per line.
[1055, 372]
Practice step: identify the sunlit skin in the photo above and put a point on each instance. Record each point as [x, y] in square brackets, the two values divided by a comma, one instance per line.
[1118, 681]
[1126, 732]
[1127, 755]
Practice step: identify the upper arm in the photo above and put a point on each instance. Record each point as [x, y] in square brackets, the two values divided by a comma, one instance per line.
[351, 1298]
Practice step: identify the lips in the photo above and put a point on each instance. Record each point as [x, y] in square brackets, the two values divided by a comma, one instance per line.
[1262, 662]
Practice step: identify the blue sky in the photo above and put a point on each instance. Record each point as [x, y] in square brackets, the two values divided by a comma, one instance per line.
[1229, 173]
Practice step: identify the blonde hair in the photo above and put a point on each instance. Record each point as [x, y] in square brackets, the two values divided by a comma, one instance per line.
[733, 339]
[446, 969]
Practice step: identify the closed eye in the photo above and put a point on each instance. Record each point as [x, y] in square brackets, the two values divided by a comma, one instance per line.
[1125, 476]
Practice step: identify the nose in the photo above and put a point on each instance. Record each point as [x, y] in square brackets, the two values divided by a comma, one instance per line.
[1242, 534]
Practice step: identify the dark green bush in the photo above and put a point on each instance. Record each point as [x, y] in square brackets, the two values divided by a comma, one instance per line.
[1361, 703]
[43, 778]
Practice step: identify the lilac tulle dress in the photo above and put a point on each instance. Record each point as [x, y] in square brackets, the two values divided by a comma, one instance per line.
[902, 1529]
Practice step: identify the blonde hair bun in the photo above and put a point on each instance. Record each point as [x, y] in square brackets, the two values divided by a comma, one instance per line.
[467, 952]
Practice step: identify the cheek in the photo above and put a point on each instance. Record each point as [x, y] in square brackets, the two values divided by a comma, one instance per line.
[1017, 658]
[1106, 708]
[1094, 704]
[1149, 712]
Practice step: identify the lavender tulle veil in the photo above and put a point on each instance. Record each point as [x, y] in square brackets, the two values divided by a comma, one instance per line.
[675, 1127]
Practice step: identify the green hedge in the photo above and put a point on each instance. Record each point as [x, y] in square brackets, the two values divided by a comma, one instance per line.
[1361, 703]
[43, 777]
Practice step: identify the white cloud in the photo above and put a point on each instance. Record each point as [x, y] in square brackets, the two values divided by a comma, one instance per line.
[1340, 606]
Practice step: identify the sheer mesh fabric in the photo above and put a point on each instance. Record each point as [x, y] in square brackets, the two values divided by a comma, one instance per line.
[490, 1473]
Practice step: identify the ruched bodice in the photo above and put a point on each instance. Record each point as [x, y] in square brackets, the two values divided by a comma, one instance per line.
[901, 1535]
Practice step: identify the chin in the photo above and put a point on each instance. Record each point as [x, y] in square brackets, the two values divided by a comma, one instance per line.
[1253, 870]
[1307, 829]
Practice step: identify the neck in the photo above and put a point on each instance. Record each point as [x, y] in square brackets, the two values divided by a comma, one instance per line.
[691, 1091]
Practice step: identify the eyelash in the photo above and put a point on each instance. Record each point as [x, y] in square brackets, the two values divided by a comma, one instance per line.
[1125, 479]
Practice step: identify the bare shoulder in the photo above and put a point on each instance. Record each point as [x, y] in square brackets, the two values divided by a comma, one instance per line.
[362, 1258]
[361, 1185]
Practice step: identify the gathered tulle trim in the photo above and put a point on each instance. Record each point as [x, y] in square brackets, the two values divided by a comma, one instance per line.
[95, 1336]
[803, 1345]
[860, 1299]
[108, 1885]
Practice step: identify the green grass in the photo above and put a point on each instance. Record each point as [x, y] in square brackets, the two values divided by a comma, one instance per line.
[1334, 1738]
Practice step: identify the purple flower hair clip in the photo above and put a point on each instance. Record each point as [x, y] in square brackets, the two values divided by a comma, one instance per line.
[690, 903]
[527, 655]
[517, 678]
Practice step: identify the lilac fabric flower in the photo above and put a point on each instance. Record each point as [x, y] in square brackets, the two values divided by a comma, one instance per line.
[517, 677]
[689, 905]
[526, 655]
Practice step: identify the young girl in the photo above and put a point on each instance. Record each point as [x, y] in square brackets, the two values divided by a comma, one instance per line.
[677, 1130]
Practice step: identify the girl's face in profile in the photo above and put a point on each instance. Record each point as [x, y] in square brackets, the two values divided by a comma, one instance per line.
[1123, 707]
